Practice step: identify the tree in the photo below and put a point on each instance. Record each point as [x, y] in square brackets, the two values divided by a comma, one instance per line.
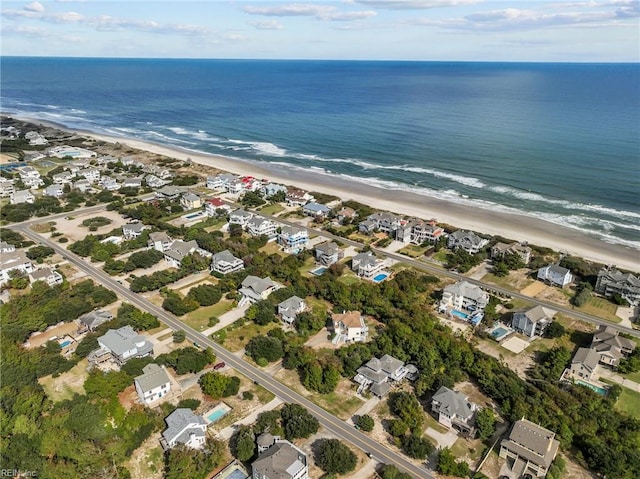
[252, 199]
[106, 385]
[555, 330]
[486, 423]
[267, 347]
[233, 386]
[416, 447]
[179, 336]
[366, 423]
[38, 253]
[447, 464]
[235, 230]
[243, 444]
[407, 407]
[397, 427]
[389, 471]
[333, 457]
[297, 422]
[583, 293]
[206, 294]
[214, 384]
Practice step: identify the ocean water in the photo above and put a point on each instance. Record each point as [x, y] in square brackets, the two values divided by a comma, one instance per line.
[559, 142]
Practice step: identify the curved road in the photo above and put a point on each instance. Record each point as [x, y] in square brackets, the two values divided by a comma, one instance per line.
[330, 422]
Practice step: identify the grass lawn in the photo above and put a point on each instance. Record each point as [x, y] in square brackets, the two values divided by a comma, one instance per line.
[237, 338]
[308, 265]
[153, 331]
[412, 251]
[441, 255]
[629, 402]
[153, 462]
[503, 281]
[273, 209]
[199, 319]
[318, 305]
[601, 308]
[349, 279]
[633, 376]
[165, 336]
[272, 247]
[430, 421]
[67, 384]
[362, 238]
[467, 448]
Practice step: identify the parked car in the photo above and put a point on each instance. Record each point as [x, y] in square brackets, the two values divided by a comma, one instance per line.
[220, 365]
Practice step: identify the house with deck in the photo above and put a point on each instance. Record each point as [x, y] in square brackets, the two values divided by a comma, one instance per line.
[610, 346]
[160, 241]
[91, 320]
[184, 428]
[293, 238]
[124, 344]
[349, 327]
[6, 187]
[6, 247]
[367, 265]
[499, 250]
[532, 322]
[271, 189]
[417, 231]
[15, 261]
[133, 230]
[346, 214]
[190, 201]
[216, 207]
[225, 263]
[220, 182]
[454, 410]
[528, 451]
[153, 384]
[180, 249]
[64, 178]
[467, 241]
[316, 210]
[555, 275]
[258, 226]
[48, 275]
[612, 281]
[240, 217]
[297, 197]
[254, 289]
[379, 375]
[22, 196]
[328, 253]
[30, 176]
[289, 309]
[583, 365]
[279, 459]
[464, 300]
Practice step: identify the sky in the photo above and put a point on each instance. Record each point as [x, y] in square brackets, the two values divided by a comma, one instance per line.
[438, 30]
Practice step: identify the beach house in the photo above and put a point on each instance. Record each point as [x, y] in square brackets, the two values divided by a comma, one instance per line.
[612, 282]
[381, 221]
[225, 263]
[528, 450]
[555, 275]
[289, 309]
[132, 182]
[91, 320]
[216, 207]
[160, 241]
[6, 187]
[109, 184]
[48, 275]
[271, 189]
[92, 175]
[6, 247]
[467, 241]
[316, 210]
[153, 181]
[499, 250]
[180, 249]
[190, 201]
[346, 214]
[421, 232]
[255, 289]
[367, 265]
[463, 296]
[152, 384]
[30, 176]
[328, 253]
[133, 230]
[279, 459]
[22, 196]
[35, 138]
[610, 346]
[169, 192]
[63, 178]
[184, 427]
[349, 327]
[454, 410]
[14, 261]
[297, 197]
[219, 182]
[240, 217]
[82, 185]
[378, 375]
[532, 322]
[583, 365]
[293, 239]
[258, 226]
[125, 344]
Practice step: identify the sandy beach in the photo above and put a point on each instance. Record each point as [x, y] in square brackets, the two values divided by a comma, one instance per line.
[513, 226]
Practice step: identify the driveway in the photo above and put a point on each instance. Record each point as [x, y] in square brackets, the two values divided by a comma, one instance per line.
[446, 439]
[227, 318]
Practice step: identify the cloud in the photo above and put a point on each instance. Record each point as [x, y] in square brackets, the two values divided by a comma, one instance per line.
[268, 25]
[321, 12]
[39, 33]
[415, 4]
[34, 7]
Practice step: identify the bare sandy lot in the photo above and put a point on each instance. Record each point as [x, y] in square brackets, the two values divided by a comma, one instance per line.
[73, 230]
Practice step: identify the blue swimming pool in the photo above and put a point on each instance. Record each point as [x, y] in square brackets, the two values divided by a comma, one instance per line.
[65, 344]
[459, 314]
[194, 215]
[380, 277]
[319, 271]
[216, 413]
[593, 387]
[498, 332]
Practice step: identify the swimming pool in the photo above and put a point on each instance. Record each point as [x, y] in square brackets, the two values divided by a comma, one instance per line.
[319, 271]
[459, 314]
[65, 344]
[217, 412]
[593, 387]
[380, 277]
[193, 216]
[498, 332]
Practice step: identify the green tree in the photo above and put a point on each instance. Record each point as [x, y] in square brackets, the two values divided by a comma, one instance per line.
[447, 464]
[389, 471]
[243, 444]
[179, 336]
[269, 348]
[416, 447]
[297, 422]
[214, 384]
[206, 294]
[397, 427]
[233, 386]
[366, 423]
[555, 330]
[406, 406]
[333, 457]
[486, 423]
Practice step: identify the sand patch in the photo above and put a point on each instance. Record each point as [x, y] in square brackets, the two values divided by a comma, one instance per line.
[533, 289]
[515, 345]
[72, 229]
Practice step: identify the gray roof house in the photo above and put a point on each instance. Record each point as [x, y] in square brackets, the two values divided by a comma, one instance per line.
[180, 249]
[463, 296]
[153, 384]
[21, 196]
[90, 321]
[378, 374]
[454, 410]
[48, 275]
[258, 225]
[255, 289]
[160, 241]
[316, 209]
[125, 344]
[583, 364]
[6, 247]
[289, 309]
[184, 427]
[327, 253]
[555, 275]
[224, 263]
[367, 264]
[54, 190]
[611, 281]
[133, 230]
[611, 346]
[466, 240]
[529, 451]
[532, 322]
[240, 217]
[279, 459]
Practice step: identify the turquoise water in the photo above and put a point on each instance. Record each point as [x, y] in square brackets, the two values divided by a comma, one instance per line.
[65, 344]
[459, 314]
[593, 387]
[319, 271]
[498, 332]
[193, 215]
[380, 277]
[217, 414]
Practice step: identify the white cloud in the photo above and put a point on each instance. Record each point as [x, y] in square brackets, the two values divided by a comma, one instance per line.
[415, 4]
[321, 12]
[268, 25]
[34, 7]
[39, 33]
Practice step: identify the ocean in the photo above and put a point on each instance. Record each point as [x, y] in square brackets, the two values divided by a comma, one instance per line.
[560, 142]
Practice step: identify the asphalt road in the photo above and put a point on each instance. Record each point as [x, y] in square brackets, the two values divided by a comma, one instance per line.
[331, 423]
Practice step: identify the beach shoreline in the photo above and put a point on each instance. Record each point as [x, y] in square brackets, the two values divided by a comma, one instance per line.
[517, 227]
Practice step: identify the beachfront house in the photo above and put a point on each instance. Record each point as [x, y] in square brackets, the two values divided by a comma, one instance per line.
[417, 231]
[64, 151]
[14, 261]
[499, 250]
[22, 196]
[528, 451]
[190, 201]
[316, 210]
[255, 289]
[532, 322]
[328, 253]
[216, 207]
[133, 230]
[225, 263]
[289, 309]
[240, 217]
[184, 427]
[48, 275]
[610, 346]
[367, 265]
[463, 297]
[454, 410]
[346, 214]
[297, 197]
[160, 241]
[293, 239]
[219, 182]
[379, 375]
[272, 189]
[124, 344]
[555, 275]
[278, 459]
[180, 249]
[349, 327]
[6, 187]
[612, 282]
[583, 365]
[382, 221]
[91, 320]
[169, 192]
[258, 226]
[153, 181]
[152, 384]
[467, 241]
[35, 138]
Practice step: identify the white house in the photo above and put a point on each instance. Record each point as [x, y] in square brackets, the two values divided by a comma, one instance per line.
[133, 230]
[240, 217]
[214, 205]
[160, 241]
[132, 182]
[297, 197]
[70, 151]
[463, 296]
[367, 265]
[153, 181]
[349, 327]
[125, 344]
[190, 201]
[290, 308]
[378, 375]
[48, 275]
[293, 238]
[466, 240]
[225, 263]
[220, 182]
[6, 247]
[15, 261]
[35, 138]
[153, 384]
[532, 322]
[454, 410]
[63, 178]
[255, 289]
[271, 189]
[30, 176]
[258, 226]
[555, 275]
[92, 175]
[22, 196]
[109, 184]
[184, 427]
[54, 190]
[6, 187]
